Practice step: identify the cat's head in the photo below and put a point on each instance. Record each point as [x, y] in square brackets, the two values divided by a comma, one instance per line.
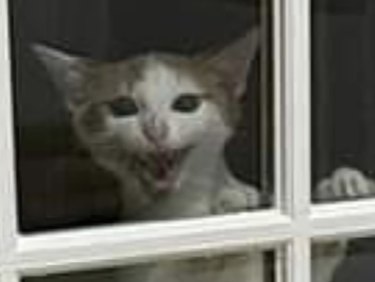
[155, 104]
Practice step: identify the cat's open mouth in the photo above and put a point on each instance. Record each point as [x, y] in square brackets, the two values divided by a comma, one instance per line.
[160, 170]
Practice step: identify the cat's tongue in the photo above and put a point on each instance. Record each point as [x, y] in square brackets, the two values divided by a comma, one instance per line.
[164, 171]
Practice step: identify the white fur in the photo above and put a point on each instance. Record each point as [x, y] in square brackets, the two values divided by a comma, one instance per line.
[155, 94]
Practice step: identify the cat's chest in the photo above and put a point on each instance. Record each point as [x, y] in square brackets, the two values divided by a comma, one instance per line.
[244, 267]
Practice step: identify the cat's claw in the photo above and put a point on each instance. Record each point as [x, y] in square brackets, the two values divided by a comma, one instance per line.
[345, 183]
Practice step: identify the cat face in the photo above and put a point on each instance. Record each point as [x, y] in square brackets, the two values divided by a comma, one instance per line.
[156, 106]
[166, 108]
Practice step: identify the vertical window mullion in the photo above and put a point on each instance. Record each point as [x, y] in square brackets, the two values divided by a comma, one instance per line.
[8, 231]
[296, 108]
[296, 130]
[298, 264]
[279, 101]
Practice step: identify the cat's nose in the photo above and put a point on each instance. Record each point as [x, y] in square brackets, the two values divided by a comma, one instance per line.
[155, 130]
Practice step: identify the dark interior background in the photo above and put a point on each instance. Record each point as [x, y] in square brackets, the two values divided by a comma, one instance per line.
[58, 185]
[344, 105]
[343, 85]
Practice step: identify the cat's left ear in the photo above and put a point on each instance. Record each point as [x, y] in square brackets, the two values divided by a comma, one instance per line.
[233, 62]
[67, 71]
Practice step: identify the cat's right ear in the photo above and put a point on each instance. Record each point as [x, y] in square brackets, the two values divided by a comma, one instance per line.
[66, 70]
[234, 61]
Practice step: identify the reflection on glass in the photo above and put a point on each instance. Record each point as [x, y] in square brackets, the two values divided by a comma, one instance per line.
[344, 261]
[239, 267]
[158, 119]
[343, 99]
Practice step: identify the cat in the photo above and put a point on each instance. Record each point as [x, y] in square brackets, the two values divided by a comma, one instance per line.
[159, 122]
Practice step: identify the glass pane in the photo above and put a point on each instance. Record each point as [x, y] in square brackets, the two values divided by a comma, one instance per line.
[344, 261]
[243, 267]
[140, 110]
[343, 98]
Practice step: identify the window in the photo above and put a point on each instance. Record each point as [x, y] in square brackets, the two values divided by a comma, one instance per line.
[196, 115]
[276, 242]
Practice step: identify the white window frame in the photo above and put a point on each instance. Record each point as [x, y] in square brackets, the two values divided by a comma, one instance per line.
[293, 223]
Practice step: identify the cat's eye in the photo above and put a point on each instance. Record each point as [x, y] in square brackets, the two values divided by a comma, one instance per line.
[187, 103]
[123, 106]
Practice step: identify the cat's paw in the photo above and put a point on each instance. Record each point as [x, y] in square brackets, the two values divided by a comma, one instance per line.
[345, 183]
[237, 199]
